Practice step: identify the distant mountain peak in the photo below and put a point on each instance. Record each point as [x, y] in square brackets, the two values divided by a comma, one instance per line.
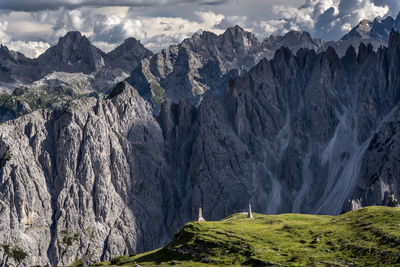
[72, 35]
[72, 53]
[378, 29]
[237, 31]
[128, 55]
[235, 28]
[362, 30]
[74, 39]
[294, 40]
[131, 41]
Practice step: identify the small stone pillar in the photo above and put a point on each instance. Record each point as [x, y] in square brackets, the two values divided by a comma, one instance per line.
[200, 217]
[249, 213]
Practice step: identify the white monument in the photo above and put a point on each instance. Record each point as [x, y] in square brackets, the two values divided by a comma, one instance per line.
[249, 213]
[200, 217]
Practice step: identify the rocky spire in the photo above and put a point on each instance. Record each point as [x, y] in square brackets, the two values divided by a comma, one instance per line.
[200, 216]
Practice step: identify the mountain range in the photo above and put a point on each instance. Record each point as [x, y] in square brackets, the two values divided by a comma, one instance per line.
[109, 154]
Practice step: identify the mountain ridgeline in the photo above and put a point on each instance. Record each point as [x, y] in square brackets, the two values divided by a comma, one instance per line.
[73, 54]
[71, 69]
[100, 176]
[204, 63]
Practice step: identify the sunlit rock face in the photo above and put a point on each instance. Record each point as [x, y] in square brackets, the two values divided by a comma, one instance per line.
[86, 181]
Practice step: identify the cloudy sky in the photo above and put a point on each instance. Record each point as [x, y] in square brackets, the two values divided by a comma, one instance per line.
[31, 26]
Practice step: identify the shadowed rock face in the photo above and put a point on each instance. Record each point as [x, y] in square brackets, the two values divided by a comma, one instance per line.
[15, 66]
[291, 135]
[127, 56]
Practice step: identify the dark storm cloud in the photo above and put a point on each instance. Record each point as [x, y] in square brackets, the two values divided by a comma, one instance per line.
[37, 5]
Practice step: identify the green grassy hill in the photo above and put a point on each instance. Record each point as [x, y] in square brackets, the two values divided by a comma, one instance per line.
[365, 237]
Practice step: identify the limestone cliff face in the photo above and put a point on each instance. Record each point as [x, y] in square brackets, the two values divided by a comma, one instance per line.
[87, 181]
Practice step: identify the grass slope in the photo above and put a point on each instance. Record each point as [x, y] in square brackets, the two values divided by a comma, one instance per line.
[365, 237]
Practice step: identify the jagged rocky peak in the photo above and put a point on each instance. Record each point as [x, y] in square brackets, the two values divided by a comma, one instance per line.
[15, 67]
[15, 56]
[70, 69]
[128, 55]
[294, 40]
[5, 53]
[233, 38]
[362, 30]
[382, 27]
[200, 64]
[73, 53]
[71, 38]
[378, 29]
[204, 63]
[239, 36]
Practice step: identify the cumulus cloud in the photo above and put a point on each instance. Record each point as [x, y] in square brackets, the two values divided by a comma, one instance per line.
[161, 32]
[108, 29]
[29, 49]
[3, 32]
[114, 29]
[328, 19]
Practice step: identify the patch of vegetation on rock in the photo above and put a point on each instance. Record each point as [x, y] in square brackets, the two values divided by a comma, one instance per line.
[13, 252]
[158, 96]
[6, 157]
[69, 238]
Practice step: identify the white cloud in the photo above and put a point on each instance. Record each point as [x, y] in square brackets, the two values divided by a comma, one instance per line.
[163, 31]
[29, 49]
[114, 29]
[329, 19]
[105, 29]
[3, 32]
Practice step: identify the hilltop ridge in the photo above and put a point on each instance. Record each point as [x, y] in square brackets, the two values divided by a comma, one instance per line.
[365, 237]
